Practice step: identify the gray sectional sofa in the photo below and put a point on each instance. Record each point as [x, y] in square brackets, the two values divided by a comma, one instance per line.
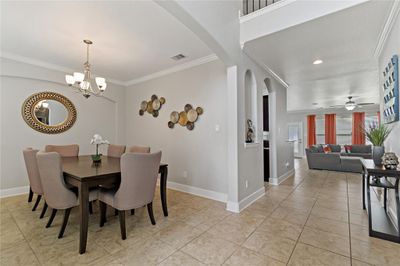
[338, 159]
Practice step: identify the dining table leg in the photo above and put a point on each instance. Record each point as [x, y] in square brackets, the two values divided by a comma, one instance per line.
[163, 189]
[84, 215]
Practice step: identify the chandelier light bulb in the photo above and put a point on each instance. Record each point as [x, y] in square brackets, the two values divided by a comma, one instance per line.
[70, 79]
[78, 77]
[103, 87]
[85, 85]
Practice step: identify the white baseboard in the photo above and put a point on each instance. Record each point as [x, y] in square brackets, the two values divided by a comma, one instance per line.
[209, 194]
[277, 181]
[9, 192]
[246, 202]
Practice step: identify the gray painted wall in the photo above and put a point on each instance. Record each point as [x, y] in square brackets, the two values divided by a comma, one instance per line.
[202, 153]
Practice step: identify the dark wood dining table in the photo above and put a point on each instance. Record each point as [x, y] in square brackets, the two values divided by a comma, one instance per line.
[82, 173]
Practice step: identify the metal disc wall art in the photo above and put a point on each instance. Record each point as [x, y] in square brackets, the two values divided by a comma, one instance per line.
[185, 118]
[153, 106]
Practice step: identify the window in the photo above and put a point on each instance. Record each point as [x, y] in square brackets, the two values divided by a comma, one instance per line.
[320, 129]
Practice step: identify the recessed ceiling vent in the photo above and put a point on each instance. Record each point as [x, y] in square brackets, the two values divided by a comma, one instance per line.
[178, 57]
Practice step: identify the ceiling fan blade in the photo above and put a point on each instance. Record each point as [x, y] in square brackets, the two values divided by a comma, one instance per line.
[336, 106]
[363, 104]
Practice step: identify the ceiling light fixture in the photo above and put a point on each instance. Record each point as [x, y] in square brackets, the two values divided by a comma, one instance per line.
[350, 105]
[84, 80]
[317, 62]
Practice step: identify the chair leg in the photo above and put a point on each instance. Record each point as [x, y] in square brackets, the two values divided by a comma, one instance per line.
[30, 195]
[151, 214]
[37, 202]
[53, 214]
[43, 210]
[103, 211]
[133, 212]
[90, 208]
[65, 221]
[122, 224]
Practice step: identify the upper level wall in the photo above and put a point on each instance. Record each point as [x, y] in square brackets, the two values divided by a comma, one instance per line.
[285, 14]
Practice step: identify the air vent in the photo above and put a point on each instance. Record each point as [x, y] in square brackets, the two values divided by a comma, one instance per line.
[178, 57]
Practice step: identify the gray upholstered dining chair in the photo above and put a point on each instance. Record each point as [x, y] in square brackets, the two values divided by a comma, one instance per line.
[35, 185]
[139, 174]
[64, 150]
[115, 151]
[57, 195]
[139, 149]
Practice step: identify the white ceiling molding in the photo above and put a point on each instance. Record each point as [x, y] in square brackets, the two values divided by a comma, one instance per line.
[58, 83]
[274, 75]
[43, 64]
[190, 64]
[387, 28]
[270, 71]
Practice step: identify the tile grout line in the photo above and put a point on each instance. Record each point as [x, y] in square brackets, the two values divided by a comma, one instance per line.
[348, 219]
[26, 240]
[302, 229]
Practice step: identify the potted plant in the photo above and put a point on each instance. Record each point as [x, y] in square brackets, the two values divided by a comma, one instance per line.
[377, 136]
[97, 140]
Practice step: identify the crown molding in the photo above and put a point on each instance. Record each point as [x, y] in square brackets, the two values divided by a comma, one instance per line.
[190, 64]
[387, 28]
[39, 63]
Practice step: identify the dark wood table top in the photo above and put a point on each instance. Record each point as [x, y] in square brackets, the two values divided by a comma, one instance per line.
[83, 168]
[370, 166]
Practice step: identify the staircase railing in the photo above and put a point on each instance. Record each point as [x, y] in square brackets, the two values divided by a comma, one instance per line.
[250, 6]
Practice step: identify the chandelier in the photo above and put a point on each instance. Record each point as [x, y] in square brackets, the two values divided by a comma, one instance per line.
[83, 81]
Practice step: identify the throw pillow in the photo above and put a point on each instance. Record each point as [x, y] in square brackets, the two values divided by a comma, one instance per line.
[327, 149]
[347, 148]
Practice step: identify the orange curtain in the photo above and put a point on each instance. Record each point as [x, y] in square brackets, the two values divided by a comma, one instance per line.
[311, 132]
[330, 129]
[358, 136]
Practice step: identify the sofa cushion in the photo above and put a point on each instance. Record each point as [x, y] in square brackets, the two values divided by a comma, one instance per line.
[335, 148]
[361, 149]
[316, 148]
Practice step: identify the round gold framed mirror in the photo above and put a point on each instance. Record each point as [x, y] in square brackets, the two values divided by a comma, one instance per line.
[49, 112]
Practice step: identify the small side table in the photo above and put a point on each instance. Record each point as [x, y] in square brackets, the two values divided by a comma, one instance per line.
[380, 225]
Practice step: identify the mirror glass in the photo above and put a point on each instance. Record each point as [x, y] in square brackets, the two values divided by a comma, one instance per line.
[51, 112]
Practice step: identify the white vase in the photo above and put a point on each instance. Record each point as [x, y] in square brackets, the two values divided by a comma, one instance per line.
[377, 153]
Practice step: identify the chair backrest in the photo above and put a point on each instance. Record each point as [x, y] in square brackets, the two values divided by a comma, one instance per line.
[64, 150]
[139, 174]
[32, 170]
[115, 150]
[139, 149]
[57, 195]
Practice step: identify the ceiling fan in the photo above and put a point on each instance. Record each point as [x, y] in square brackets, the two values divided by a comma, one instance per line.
[350, 105]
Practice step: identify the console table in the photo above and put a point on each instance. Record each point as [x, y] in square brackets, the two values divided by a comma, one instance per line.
[379, 223]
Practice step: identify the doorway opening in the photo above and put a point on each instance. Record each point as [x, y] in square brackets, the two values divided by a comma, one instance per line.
[296, 137]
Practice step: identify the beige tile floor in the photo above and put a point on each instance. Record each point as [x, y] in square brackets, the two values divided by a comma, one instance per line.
[313, 218]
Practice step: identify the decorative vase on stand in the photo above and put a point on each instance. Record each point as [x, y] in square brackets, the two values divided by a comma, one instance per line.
[377, 153]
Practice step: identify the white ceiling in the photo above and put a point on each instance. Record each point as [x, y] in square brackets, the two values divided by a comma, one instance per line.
[131, 39]
[345, 41]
